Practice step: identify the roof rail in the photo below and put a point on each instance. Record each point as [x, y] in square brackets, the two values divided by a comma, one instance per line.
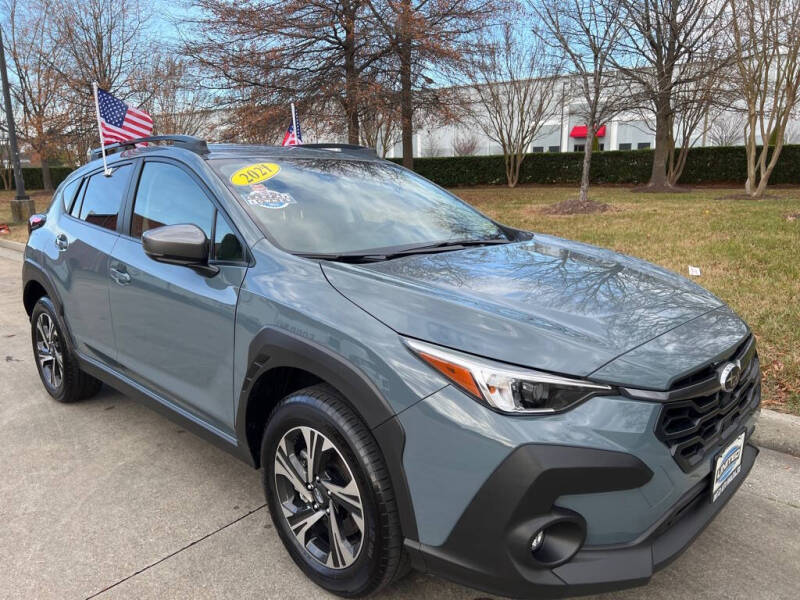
[187, 142]
[340, 148]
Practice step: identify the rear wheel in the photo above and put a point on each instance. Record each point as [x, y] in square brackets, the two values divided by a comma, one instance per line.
[58, 367]
[329, 493]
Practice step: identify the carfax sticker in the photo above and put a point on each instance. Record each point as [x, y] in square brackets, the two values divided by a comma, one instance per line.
[255, 173]
[262, 197]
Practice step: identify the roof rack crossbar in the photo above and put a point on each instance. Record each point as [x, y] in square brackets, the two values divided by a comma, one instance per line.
[340, 147]
[187, 142]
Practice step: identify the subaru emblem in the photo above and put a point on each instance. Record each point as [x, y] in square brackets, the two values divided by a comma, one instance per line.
[729, 376]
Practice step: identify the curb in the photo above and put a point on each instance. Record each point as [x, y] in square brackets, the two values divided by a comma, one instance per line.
[18, 246]
[778, 431]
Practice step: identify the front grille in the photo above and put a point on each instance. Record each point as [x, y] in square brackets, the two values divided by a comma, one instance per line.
[701, 415]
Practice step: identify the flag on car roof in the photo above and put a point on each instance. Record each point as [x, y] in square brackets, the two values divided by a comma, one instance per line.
[293, 136]
[120, 122]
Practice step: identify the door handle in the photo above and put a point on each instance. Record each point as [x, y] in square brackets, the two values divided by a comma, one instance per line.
[121, 277]
[62, 243]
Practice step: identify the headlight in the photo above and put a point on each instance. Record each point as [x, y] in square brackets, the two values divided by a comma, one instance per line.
[504, 387]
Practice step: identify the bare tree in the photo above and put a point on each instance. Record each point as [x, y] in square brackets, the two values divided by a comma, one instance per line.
[513, 83]
[177, 103]
[272, 52]
[726, 127]
[465, 144]
[5, 163]
[587, 33]
[380, 117]
[669, 49]
[419, 34]
[39, 88]
[765, 36]
[103, 41]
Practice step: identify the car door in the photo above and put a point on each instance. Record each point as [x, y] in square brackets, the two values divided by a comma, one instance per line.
[174, 326]
[85, 235]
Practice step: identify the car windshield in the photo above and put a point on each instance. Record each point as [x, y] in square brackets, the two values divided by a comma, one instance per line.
[339, 206]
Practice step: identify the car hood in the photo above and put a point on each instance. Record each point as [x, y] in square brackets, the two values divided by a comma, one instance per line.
[546, 303]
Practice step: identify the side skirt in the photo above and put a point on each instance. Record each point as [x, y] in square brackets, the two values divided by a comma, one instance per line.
[175, 413]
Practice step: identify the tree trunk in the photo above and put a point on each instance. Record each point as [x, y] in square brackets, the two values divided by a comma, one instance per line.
[47, 179]
[587, 165]
[658, 176]
[406, 99]
[351, 84]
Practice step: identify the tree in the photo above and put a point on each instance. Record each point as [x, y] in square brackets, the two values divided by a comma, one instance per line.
[39, 88]
[419, 34]
[178, 103]
[274, 52]
[513, 84]
[102, 41]
[765, 36]
[464, 144]
[726, 128]
[380, 119]
[587, 34]
[668, 50]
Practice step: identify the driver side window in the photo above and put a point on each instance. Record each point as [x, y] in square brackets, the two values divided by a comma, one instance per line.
[167, 195]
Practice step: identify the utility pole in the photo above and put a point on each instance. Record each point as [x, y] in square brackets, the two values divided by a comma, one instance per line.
[21, 205]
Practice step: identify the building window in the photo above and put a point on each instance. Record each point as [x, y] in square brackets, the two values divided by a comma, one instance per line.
[538, 148]
[643, 146]
[554, 148]
[601, 147]
[624, 146]
[579, 147]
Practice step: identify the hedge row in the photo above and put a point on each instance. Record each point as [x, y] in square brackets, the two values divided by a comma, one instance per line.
[33, 177]
[703, 165]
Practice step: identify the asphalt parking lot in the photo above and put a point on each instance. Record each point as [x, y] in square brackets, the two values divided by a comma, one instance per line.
[107, 499]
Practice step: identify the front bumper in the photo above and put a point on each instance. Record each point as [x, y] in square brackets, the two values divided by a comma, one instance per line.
[488, 548]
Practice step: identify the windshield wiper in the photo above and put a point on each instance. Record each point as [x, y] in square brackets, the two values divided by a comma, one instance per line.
[362, 257]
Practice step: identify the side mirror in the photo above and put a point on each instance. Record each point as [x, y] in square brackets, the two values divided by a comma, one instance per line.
[185, 245]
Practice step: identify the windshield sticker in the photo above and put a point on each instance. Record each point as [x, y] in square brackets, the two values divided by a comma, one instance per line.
[262, 197]
[255, 173]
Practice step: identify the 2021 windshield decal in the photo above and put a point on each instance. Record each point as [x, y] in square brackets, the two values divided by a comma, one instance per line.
[255, 173]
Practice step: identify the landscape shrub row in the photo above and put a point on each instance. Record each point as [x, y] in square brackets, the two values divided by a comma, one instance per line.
[703, 165]
[33, 177]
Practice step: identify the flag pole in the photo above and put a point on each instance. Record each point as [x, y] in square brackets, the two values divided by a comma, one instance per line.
[106, 170]
[294, 125]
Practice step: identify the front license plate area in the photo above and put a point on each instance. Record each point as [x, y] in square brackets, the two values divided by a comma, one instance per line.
[727, 466]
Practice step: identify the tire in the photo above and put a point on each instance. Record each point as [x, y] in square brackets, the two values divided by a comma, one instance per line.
[57, 365]
[359, 564]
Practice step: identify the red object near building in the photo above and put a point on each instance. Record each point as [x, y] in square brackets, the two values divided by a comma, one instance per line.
[579, 131]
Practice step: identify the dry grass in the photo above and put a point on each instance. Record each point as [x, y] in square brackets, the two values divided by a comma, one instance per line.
[748, 251]
[19, 231]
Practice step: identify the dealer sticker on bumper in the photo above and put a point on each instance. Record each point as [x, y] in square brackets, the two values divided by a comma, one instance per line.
[727, 466]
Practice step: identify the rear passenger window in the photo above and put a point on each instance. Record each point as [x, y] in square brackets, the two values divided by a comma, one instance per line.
[103, 197]
[68, 193]
[167, 195]
[226, 245]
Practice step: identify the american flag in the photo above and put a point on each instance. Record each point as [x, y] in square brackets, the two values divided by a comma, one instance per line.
[120, 122]
[290, 139]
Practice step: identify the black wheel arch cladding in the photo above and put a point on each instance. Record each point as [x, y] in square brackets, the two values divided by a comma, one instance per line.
[273, 348]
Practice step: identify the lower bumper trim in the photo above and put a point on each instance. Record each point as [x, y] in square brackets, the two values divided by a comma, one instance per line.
[590, 571]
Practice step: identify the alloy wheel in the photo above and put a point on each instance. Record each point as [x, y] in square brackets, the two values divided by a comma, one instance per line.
[48, 351]
[319, 497]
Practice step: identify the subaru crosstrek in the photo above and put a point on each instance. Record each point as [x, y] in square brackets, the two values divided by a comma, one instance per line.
[422, 386]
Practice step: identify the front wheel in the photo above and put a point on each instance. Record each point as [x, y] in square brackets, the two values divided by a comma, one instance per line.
[329, 493]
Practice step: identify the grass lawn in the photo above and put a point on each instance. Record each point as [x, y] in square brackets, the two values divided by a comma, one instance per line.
[748, 251]
[19, 232]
